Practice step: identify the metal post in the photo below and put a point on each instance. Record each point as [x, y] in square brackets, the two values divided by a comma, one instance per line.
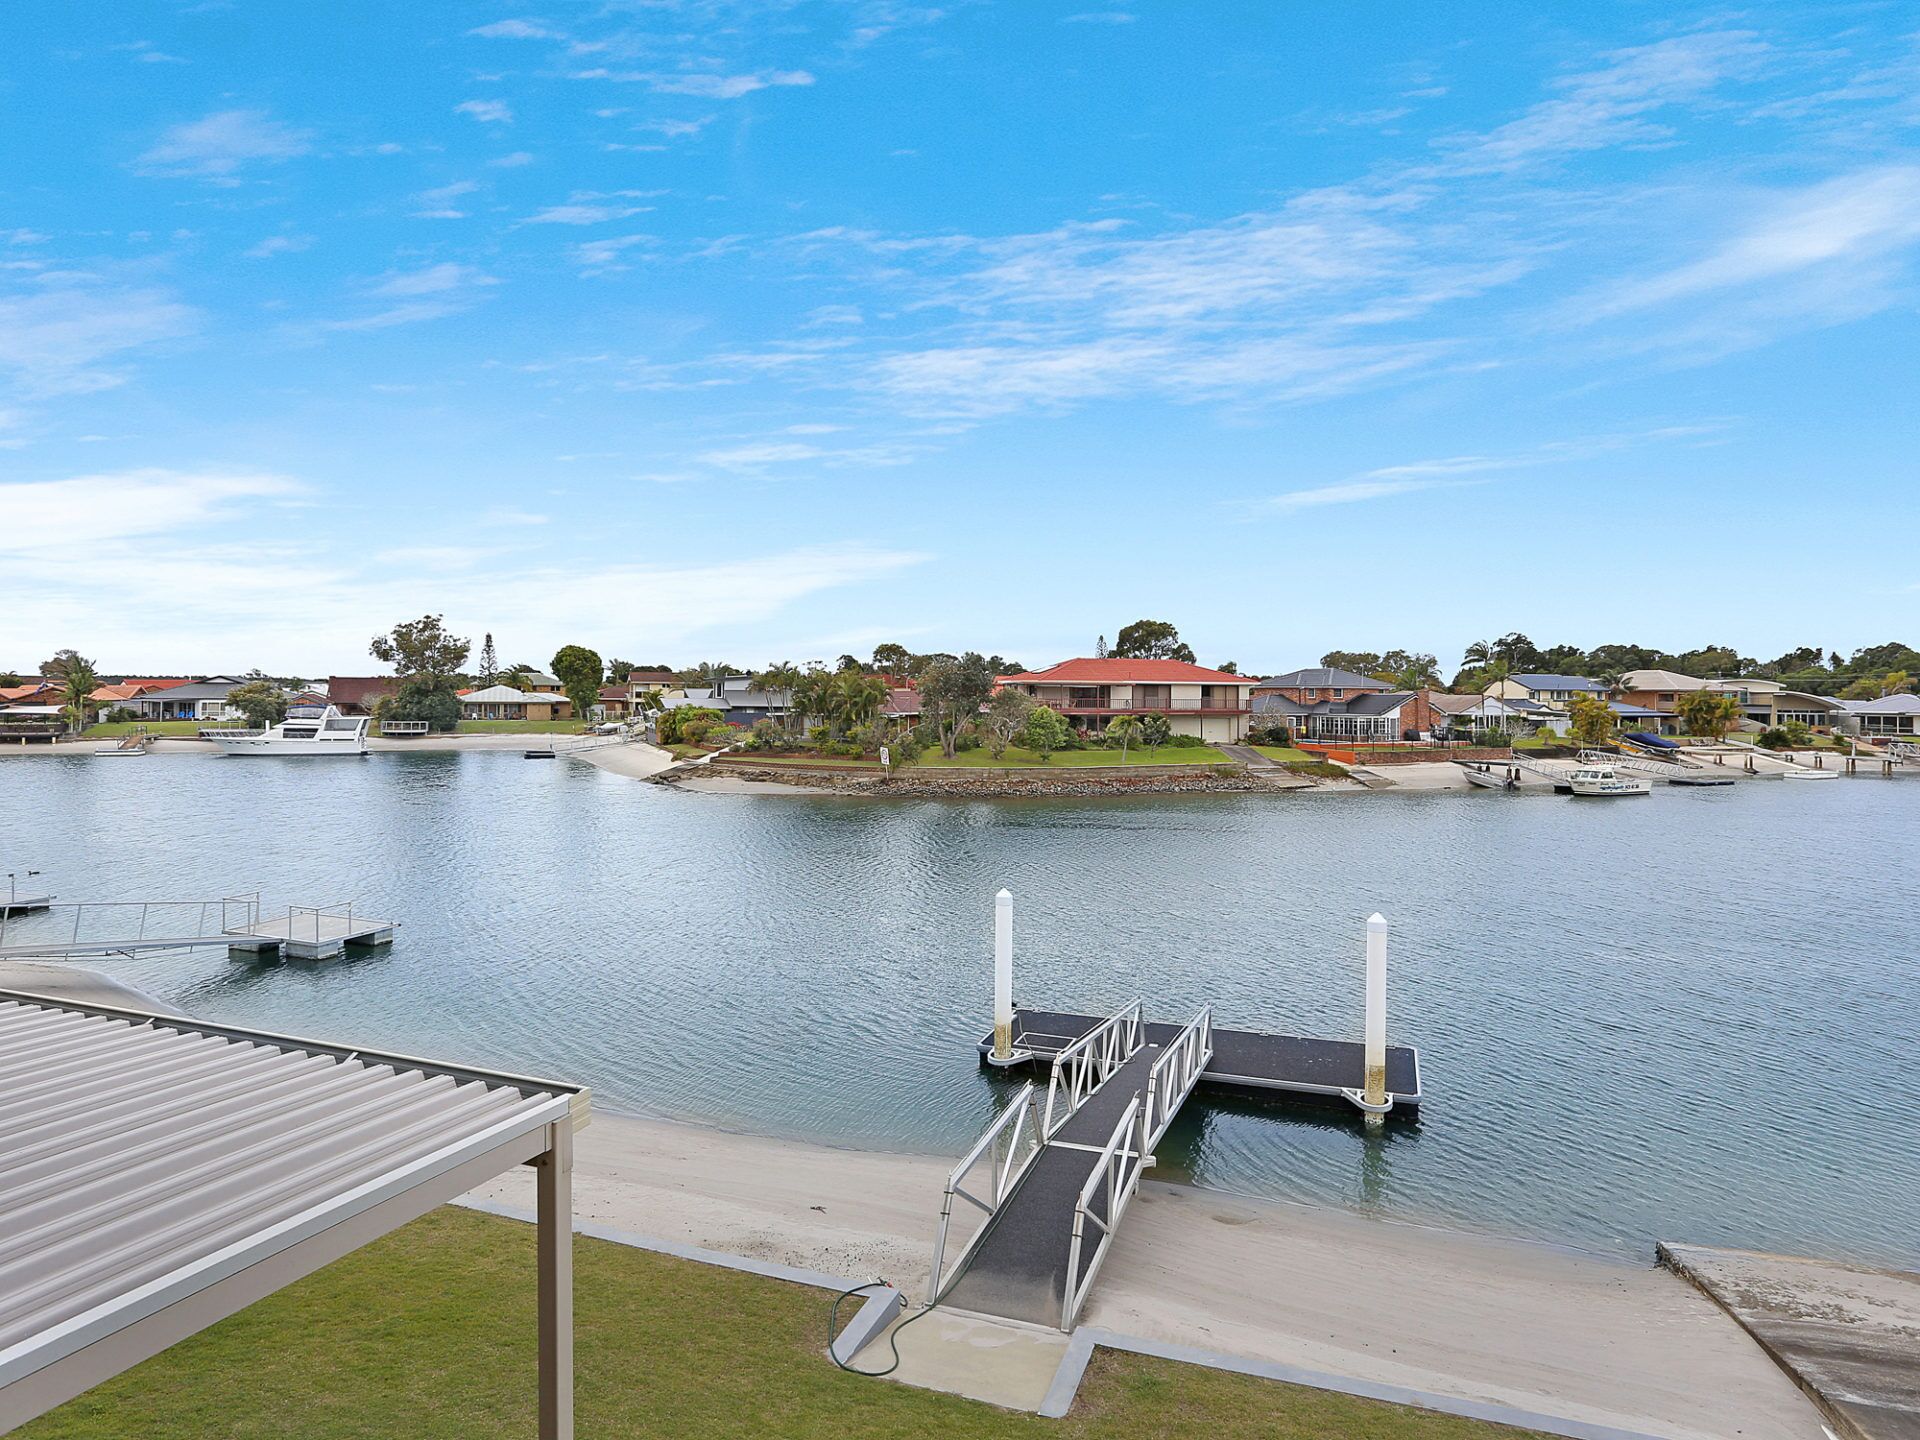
[1003, 976]
[555, 1243]
[1376, 1082]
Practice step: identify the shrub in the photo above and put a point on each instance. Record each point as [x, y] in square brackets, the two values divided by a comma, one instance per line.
[1798, 732]
[1774, 739]
[1185, 742]
[1270, 735]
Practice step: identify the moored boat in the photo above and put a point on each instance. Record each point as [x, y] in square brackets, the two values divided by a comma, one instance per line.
[328, 733]
[1605, 780]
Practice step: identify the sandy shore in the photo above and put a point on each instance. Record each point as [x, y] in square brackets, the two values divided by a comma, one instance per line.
[1530, 1326]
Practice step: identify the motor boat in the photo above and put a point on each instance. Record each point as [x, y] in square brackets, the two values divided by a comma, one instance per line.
[328, 733]
[1605, 780]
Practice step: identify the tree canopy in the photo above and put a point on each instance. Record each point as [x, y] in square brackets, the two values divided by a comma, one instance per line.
[580, 674]
[953, 692]
[1150, 640]
[261, 701]
[421, 647]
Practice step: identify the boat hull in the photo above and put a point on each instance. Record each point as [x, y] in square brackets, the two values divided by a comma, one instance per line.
[1607, 788]
[348, 748]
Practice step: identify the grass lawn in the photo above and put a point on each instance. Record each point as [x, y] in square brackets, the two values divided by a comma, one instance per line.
[1284, 753]
[519, 727]
[1018, 757]
[429, 1334]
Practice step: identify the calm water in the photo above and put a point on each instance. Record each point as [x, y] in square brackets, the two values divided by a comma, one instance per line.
[1695, 1016]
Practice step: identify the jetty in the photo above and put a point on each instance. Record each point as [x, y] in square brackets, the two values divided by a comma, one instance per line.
[235, 922]
[1054, 1173]
[24, 894]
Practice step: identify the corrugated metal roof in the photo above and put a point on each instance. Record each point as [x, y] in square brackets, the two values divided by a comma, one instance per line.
[147, 1156]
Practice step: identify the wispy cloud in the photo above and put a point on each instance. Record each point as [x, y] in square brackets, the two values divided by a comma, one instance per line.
[286, 243]
[511, 161]
[705, 86]
[487, 112]
[411, 296]
[49, 515]
[1614, 104]
[583, 214]
[516, 30]
[1099, 17]
[217, 146]
[609, 256]
[61, 336]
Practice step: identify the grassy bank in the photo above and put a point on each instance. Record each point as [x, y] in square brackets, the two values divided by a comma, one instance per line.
[1017, 757]
[179, 728]
[1285, 754]
[429, 1333]
[519, 727]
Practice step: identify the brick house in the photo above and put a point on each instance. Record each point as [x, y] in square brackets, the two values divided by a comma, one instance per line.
[1330, 704]
[1211, 705]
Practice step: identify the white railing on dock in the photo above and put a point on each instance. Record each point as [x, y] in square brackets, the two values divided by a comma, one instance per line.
[1116, 1174]
[1009, 1145]
[198, 918]
[1173, 1077]
[1083, 1067]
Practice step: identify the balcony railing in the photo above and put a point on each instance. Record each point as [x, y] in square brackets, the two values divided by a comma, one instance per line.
[1098, 706]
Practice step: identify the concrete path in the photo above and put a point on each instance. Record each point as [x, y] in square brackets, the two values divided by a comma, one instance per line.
[1849, 1335]
[1247, 756]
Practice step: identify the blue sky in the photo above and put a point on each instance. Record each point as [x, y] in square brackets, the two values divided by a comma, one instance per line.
[767, 330]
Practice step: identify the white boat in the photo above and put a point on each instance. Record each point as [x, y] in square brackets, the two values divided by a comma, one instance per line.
[328, 733]
[1807, 772]
[1605, 780]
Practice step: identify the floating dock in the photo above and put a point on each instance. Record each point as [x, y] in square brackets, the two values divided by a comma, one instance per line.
[20, 903]
[1247, 1059]
[309, 934]
[1055, 1171]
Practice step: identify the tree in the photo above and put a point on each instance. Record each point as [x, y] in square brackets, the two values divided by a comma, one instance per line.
[811, 695]
[1361, 662]
[892, 659]
[421, 647]
[779, 678]
[1045, 731]
[1100, 648]
[581, 675]
[955, 690]
[261, 701]
[1150, 640]
[75, 675]
[489, 662]
[1155, 731]
[1592, 720]
[431, 698]
[519, 677]
[1126, 728]
[708, 673]
[648, 705]
[1007, 715]
[1707, 712]
[854, 698]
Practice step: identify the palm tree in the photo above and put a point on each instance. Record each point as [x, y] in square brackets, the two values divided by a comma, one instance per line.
[781, 677]
[1478, 653]
[75, 676]
[1127, 727]
[855, 698]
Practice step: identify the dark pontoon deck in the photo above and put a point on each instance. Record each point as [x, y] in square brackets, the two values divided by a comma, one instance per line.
[1244, 1058]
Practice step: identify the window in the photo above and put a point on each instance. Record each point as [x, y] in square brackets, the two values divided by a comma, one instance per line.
[1338, 694]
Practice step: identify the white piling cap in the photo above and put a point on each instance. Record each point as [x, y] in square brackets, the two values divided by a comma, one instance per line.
[1376, 919]
[1003, 894]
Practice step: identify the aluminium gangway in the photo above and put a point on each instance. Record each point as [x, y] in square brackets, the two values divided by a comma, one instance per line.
[1061, 1166]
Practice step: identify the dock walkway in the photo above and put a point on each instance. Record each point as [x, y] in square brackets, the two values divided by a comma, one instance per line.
[305, 933]
[1064, 1176]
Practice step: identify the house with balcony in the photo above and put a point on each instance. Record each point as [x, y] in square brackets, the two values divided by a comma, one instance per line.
[1764, 703]
[1341, 706]
[1891, 717]
[649, 682]
[1211, 705]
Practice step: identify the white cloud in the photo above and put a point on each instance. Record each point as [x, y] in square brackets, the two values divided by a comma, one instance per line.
[217, 145]
[584, 214]
[56, 339]
[1851, 220]
[705, 86]
[1614, 104]
[487, 112]
[512, 161]
[516, 30]
[606, 257]
[1099, 17]
[284, 244]
[431, 293]
[90, 509]
[1349, 492]
[437, 203]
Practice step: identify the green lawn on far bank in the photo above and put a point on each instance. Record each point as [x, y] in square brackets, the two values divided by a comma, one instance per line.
[429, 1333]
[519, 727]
[1285, 753]
[1020, 758]
[108, 729]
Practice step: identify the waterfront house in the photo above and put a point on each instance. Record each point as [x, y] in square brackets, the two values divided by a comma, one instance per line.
[357, 694]
[1556, 691]
[1892, 717]
[1325, 682]
[504, 702]
[204, 699]
[33, 692]
[1211, 705]
[902, 704]
[1456, 716]
[541, 683]
[1764, 703]
[650, 682]
[736, 697]
[1330, 704]
[615, 703]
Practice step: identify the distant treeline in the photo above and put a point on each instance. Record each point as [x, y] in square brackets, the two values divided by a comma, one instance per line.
[1862, 675]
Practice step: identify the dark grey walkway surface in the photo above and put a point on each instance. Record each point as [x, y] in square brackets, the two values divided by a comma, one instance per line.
[1019, 1268]
[1241, 1057]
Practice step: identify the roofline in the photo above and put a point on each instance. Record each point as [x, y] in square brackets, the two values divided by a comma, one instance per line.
[166, 1020]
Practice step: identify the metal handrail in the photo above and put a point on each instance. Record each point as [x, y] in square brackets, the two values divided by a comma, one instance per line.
[1118, 1170]
[1083, 1067]
[1012, 1142]
[1173, 1076]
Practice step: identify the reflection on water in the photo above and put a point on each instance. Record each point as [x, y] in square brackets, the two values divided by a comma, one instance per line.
[1655, 1018]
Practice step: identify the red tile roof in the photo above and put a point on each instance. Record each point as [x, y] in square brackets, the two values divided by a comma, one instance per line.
[1121, 672]
[650, 677]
